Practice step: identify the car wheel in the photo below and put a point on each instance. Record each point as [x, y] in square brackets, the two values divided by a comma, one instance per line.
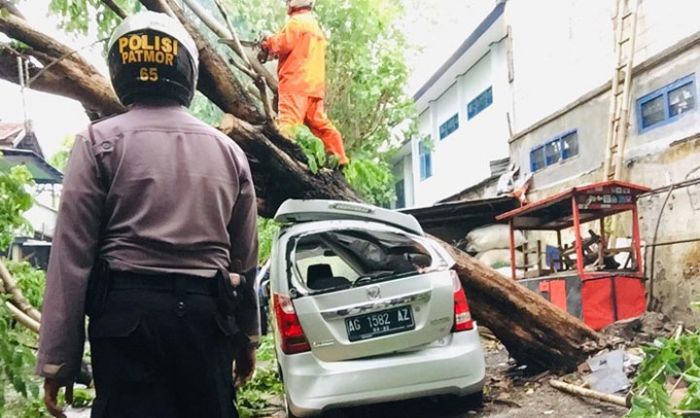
[471, 401]
[474, 400]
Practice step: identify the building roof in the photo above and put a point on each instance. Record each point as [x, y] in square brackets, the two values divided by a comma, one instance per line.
[452, 220]
[42, 172]
[466, 45]
[593, 201]
[9, 132]
[20, 136]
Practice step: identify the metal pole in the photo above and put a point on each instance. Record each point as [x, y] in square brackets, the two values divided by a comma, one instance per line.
[577, 233]
[636, 241]
[512, 250]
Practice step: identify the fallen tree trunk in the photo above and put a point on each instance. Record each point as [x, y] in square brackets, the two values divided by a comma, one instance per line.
[532, 329]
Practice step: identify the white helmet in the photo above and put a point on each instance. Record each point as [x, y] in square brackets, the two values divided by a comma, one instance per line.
[298, 4]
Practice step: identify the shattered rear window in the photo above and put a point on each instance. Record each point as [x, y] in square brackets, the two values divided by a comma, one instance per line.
[339, 259]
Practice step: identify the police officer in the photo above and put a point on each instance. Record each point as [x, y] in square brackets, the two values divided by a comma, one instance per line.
[157, 212]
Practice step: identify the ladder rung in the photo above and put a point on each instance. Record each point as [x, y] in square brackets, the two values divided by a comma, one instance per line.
[619, 92]
[623, 41]
[621, 66]
[626, 15]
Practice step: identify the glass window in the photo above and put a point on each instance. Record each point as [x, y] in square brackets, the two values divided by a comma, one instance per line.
[552, 152]
[481, 102]
[653, 111]
[666, 104]
[426, 163]
[537, 161]
[569, 145]
[681, 99]
[400, 194]
[450, 125]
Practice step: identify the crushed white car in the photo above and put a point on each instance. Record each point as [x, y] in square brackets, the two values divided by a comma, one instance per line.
[366, 310]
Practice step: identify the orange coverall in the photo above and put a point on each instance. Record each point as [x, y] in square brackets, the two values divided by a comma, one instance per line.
[301, 48]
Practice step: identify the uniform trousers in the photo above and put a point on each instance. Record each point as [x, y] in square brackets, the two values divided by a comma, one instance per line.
[161, 348]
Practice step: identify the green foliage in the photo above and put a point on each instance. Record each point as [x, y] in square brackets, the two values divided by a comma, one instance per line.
[30, 281]
[312, 148]
[60, 159]
[366, 75]
[14, 201]
[84, 16]
[204, 109]
[372, 179]
[668, 362]
[267, 230]
[17, 360]
[16, 356]
[265, 386]
[82, 398]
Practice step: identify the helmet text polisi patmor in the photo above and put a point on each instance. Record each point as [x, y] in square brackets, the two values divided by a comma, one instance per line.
[151, 57]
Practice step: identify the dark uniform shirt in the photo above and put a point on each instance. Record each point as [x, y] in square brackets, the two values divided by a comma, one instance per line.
[174, 196]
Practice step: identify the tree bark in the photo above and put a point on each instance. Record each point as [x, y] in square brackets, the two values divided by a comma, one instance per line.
[534, 331]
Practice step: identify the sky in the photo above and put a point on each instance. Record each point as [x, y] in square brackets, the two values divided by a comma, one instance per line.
[435, 27]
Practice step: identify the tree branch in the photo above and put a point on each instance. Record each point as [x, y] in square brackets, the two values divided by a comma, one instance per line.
[11, 8]
[16, 297]
[215, 78]
[259, 78]
[220, 31]
[63, 76]
[21, 317]
[115, 8]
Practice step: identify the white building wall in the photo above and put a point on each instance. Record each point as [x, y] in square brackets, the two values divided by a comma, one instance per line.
[462, 158]
[563, 49]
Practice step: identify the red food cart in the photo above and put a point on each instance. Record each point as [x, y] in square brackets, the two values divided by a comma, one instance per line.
[585, 278]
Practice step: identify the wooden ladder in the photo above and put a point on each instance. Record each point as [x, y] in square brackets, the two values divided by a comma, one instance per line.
[625, 27]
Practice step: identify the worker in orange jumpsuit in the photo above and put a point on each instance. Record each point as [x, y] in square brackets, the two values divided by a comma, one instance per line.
[301, 49]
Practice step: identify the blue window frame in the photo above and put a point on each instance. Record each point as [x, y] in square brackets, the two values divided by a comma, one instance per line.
[479, 103]
[537, 160]
[666, 104]
[449, 126]
[561, 148]
[426, 161]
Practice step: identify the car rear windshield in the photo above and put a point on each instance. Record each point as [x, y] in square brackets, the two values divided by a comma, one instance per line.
[339, 259]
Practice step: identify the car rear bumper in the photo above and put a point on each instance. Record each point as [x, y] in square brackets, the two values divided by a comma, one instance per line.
[455, 365]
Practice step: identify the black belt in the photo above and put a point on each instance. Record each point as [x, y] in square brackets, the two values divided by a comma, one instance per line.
[166, 283]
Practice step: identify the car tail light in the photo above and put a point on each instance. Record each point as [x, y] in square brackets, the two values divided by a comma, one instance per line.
[292, 335]
[463, 318]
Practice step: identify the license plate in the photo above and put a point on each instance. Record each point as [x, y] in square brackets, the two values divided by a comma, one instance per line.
[376, 324]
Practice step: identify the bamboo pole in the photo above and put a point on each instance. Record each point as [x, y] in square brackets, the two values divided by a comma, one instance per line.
[588, 393]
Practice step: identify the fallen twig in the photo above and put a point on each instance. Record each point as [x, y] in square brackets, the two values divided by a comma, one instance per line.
[23, 318]
[588, 393]
[16, 297]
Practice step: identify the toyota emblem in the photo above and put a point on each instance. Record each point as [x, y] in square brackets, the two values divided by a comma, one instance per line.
[373, 292]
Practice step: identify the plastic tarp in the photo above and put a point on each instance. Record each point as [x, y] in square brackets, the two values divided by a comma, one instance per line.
[492, 237]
